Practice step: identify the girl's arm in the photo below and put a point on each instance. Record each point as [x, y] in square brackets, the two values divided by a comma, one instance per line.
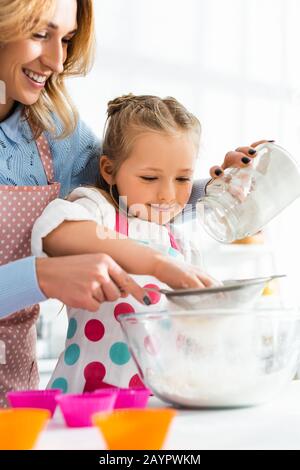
[80, 237]
[72, 238]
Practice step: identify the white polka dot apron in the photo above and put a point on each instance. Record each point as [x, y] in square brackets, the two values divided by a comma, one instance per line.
[96, 354]
[20, 206]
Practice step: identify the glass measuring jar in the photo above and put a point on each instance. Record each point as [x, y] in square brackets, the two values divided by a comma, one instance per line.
[244, 200]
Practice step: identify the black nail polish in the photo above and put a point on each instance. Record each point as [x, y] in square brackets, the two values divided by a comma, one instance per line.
[218, 172]
[147, 300]
[252, 151]
[271, 141]
[246, 160]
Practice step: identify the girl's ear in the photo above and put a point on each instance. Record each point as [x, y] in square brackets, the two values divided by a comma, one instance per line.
[106, 169]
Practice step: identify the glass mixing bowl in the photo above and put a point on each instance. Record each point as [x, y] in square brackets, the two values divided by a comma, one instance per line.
[215, 358]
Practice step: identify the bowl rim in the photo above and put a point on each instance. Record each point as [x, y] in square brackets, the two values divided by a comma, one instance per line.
[284, 313]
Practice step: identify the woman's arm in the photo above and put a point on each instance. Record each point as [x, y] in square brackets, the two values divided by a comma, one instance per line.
[197, 191]
[19, 287]
[79, 281]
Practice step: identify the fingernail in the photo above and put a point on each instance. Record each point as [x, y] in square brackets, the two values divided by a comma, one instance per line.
[246, 160]
[271, 141]
[251, 151]
[147, 300]
[218, 172]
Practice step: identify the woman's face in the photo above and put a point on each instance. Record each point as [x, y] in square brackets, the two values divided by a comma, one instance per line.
[27, 64]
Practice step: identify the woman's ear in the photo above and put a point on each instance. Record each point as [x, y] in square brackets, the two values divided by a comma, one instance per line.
[106, 169]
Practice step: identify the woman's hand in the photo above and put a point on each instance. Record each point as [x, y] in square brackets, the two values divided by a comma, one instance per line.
[179, 275]
[238, 158]
[85, 281]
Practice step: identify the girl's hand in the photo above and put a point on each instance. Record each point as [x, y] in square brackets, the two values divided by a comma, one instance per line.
[181, 275]
[239, 158]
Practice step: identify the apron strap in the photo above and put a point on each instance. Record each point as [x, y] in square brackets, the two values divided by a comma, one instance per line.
[173, 242]
[46, 157]
[121, 226]
[121, 223]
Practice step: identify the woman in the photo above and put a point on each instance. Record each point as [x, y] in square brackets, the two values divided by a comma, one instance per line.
[41, 43]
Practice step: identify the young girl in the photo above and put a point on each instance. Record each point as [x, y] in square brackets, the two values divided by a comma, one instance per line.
[149, 154]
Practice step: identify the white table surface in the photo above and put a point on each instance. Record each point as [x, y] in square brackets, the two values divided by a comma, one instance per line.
[272, 426]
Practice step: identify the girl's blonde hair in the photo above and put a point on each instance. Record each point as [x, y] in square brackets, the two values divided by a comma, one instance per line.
[128, 116]
[20, 19]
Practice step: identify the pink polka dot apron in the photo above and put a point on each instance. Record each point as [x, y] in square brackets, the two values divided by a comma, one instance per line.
[20, 206]
[96, 354]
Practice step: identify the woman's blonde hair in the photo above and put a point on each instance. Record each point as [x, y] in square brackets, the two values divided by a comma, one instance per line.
[19, 19]
[128, 116]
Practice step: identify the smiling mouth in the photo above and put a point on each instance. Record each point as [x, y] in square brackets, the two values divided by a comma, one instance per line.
[35, 77]
[162, 208]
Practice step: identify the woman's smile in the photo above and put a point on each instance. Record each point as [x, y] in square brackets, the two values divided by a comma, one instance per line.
[36, 80]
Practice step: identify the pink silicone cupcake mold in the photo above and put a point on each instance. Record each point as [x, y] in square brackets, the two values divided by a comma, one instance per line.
[42, 399]
[78, 409]
[132, 398]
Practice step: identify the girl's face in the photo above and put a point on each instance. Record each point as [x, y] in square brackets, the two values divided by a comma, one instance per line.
[28, 63]
[157, 176]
